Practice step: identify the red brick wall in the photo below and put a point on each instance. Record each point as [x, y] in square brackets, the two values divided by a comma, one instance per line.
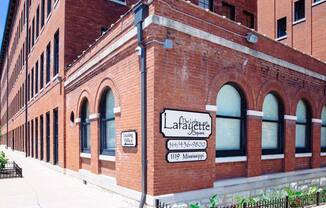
[305, 36]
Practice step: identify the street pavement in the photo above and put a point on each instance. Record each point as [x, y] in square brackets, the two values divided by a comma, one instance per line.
[42, 187]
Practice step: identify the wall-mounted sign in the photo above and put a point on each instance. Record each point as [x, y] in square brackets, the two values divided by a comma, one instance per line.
[188, 144]
[175, 157]
[129, 139]
[185, 124]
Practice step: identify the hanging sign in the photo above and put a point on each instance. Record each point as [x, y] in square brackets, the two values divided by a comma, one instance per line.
[129, 139]
[176, 157]
[185, 124]
[188, 144]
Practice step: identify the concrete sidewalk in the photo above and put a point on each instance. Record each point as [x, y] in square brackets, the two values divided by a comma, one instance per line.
[42, 187]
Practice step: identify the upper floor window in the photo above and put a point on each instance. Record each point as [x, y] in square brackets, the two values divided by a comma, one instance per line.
[33, 32]
[37, 21]
[228, 10]
[85, 127]
[42, 12]
[299, 10]
[302, 130]
[42, 71]
[36, 77]
[49, 7]
[206, 4]
[281, 27]
[323, 130]
[107, 127]
[230, 122]
[48, 62]
[56, 54]
[249, 19]
[272, 128]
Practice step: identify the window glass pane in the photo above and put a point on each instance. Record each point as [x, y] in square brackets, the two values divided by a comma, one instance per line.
[323, 116]
[227, 134]
[88, 136]
[300, 136]
[269, 135]
[323, 137]
[110, 132]
[109, 104]
[270, 108]
[228, 101]
[301, 112]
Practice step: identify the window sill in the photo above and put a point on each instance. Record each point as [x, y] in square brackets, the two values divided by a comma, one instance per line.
[56, 77]
[47, 84]
[317, 3]
[119, 2]
[55, 4]
[281, 38]
[272, 157]
[85, 155]
[299, 21]
[107, 158]
[48, 18]
[323, 154]
[303, 155]
[230, 159]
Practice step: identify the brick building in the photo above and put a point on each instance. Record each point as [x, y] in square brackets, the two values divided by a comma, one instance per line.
[262, 103]
[300, 24]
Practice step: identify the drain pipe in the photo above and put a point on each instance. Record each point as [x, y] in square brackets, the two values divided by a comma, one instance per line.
[140, 13]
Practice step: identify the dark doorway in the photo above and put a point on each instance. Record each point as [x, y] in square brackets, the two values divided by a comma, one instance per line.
[55, 137]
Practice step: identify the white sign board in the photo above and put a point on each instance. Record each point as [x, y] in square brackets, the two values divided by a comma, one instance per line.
[175, 157]
[186, 144]
[129, 139]
[185, 124]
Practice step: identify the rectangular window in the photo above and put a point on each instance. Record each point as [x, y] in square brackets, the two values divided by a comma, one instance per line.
[32, 83]
[48, 63]
[47, 136]
[42, 12]
[36, 138]
[249, 19]
[36, 77]
[56, 54]
[33, 32]
[55, 137]
[49, 7]
[41, 137]
[281, 27]
[206, 4]
[228, 10]
[28, 87]
[37, 21]
[299, 10]
[32, 138]
[42, 71]
[29, 40]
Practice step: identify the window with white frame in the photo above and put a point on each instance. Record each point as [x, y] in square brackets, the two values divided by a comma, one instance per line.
[107, 127]
[302, 130]
[272, 125]
[323, 130]
[85, 139]
[230, 122]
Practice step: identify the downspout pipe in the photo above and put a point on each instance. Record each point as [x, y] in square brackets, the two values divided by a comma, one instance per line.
[140, 13]
[26, 79]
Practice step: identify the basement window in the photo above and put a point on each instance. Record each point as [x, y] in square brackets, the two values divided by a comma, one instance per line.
[206, 4]
[281, 27]
[299, 10]
[228, 10]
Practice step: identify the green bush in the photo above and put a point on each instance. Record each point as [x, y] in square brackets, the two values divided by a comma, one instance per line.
[3, 160]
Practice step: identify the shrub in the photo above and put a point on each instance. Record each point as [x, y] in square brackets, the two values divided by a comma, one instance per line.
[3, 160]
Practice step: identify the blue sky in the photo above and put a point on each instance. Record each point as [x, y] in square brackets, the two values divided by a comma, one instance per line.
[3, 14]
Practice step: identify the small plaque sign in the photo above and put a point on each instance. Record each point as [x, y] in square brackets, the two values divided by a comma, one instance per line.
[188, 144]
[176, 157]
[185, 124]
[129, 139]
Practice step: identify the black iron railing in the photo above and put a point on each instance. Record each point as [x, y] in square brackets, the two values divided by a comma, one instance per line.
[307, 200]
[11, 170]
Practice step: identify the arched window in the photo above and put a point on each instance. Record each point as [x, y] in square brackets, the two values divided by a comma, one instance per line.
[272, 127]
[230, 122]
[85, 128]
[302, 130]
[323, 130]
[107, 123]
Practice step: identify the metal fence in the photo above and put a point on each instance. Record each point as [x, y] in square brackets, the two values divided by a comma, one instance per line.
[307, 200]
[11, 170]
